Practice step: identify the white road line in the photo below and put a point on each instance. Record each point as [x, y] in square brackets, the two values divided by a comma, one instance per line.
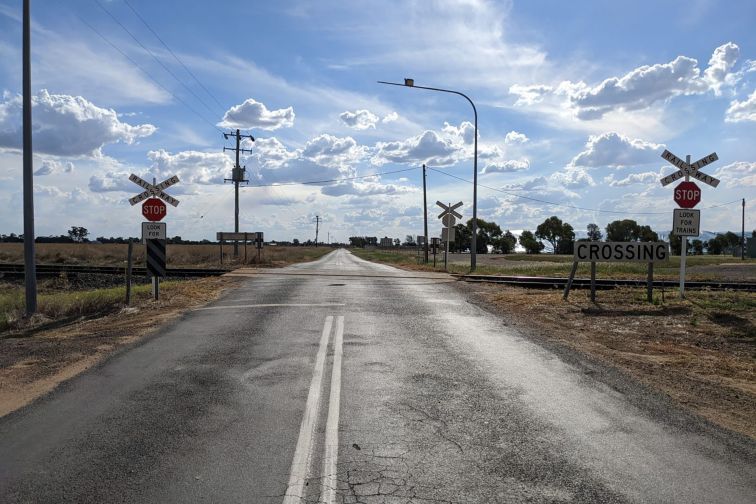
[271, 305]
[330, 458]
[295, 491]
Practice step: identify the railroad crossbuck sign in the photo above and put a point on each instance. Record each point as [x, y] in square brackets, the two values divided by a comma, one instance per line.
[449, 210]
[691, 170]
[154, 190]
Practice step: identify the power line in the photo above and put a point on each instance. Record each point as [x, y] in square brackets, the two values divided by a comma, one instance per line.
[128, 4]
[330, 181]
[111, 44]
[191, 91]
[510, 193]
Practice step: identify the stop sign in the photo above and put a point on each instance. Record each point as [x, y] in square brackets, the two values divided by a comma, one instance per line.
[153, 209]
[687, 195]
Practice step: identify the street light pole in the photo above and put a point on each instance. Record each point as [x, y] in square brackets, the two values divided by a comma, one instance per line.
[473, 248]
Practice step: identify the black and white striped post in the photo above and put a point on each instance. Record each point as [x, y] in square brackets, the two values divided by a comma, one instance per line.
[156, 264]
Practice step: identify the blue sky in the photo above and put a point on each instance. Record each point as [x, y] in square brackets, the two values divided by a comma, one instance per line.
[576, 101]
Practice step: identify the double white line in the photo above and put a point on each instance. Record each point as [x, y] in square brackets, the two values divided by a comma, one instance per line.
[300, 465]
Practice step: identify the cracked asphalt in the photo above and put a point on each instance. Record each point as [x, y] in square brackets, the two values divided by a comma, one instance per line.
[440, 401]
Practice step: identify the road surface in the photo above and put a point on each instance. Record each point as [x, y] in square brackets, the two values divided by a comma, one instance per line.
[347, 381]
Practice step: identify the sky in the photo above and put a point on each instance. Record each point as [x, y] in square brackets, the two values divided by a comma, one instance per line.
[576, 101]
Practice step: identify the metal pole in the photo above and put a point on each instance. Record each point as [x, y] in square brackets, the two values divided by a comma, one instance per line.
[683, 248]
[30, 268]
[425, 215]
[650, 283]
[236, 196]
[129, 262]
[473, 251]
[742, 235]
[446, 252]
[593, 281]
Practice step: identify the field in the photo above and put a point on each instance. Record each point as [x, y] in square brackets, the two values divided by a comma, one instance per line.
[697, 267]
[198, 256]
[84, 296]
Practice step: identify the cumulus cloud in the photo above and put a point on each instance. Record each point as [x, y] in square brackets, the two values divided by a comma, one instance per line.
[510, 165]
[529, 95]
[328, 150]
[740, 173]
[390, 117]
[269, 152]
[720, 66]
[515, 137]
[192, 167]
[465, 132]
[633, 178]
[641, 87]
[351, 187]
[429, 148]
[54, 167]
[65, 125]
[572, 178]
[112, 181]
[740, 111]
[360, 119]
[616, 150]
[253, 114]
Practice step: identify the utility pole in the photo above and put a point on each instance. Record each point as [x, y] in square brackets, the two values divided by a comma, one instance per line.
[425, 215]
[317, 225]
[742, 234]
[237, 176]
[30, 267]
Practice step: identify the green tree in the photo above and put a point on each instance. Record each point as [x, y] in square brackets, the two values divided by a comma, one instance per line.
[628, 230]
[697, 246]
[675, 244]
[462, 237]
[560, 234]
[78, 234]
[506, 244]
[594, 232]
[530, 244]
[409, 240]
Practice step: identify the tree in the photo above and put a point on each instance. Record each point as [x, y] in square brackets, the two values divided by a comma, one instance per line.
[697, 246]
[295, 242]
[409, 240]
[560, 234]
[530, 244]
[397, 242]
[594, 232]
[78, 234]
[462, 237]
[488, 234]
[628, 230]
[506, 244]
[675, 244]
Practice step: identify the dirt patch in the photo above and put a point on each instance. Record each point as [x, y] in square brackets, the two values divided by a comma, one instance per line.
[700, 352]
[34, 363]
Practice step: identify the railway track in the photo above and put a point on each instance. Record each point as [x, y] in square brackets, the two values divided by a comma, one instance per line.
[15, 271]
[585, 283]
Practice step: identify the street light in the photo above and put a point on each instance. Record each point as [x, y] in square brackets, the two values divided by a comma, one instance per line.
[473, 249]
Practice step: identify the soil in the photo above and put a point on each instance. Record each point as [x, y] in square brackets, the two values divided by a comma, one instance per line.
[35, 362]
[700, 352]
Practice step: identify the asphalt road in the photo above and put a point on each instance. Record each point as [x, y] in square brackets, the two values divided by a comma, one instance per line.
[346, 381]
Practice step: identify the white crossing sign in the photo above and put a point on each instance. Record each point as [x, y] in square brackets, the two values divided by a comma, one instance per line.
[595, 251]
[153, 231]
[449, 209]
[154, 190]
[686, 222]
[691, 170]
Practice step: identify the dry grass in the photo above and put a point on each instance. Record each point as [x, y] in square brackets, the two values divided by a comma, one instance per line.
[198, 256]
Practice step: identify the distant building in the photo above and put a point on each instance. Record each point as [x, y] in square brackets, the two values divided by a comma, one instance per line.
[387, 242]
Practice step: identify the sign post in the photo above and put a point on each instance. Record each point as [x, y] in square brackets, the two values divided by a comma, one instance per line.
[448, 218]
[154, 232]
[687, 195]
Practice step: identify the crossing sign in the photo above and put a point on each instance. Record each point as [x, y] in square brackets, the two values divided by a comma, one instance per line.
[690, 170]
[154, 190]
[449, 210]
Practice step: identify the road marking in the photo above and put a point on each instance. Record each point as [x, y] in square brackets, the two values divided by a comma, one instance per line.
[295, 491]
[271, 305]
[330, 458]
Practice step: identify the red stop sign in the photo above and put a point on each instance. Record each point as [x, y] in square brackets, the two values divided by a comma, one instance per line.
[687, 195]
[153, 209]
